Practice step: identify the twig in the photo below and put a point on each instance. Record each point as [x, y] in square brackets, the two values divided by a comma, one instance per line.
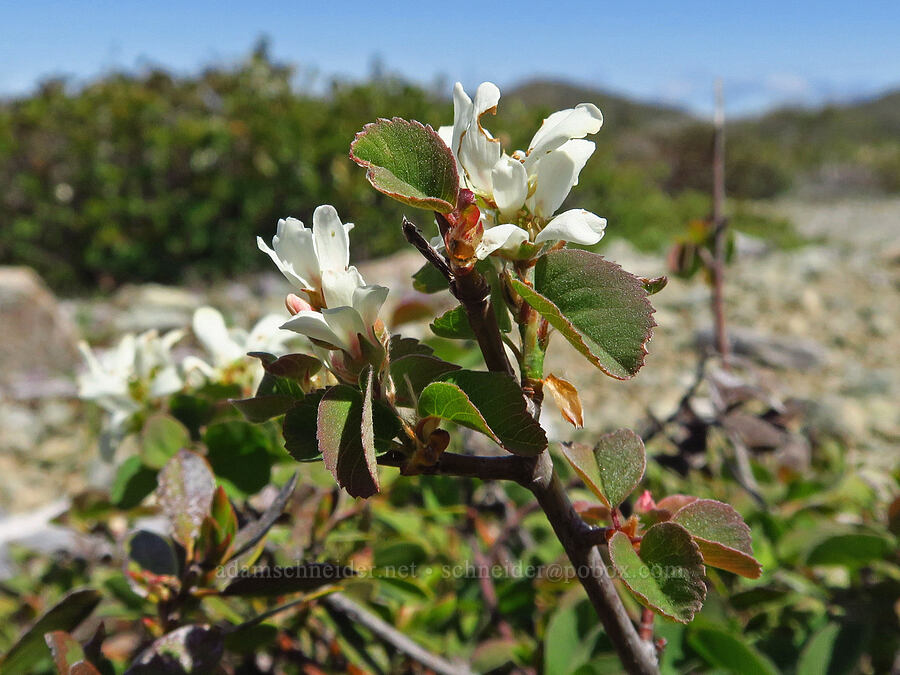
[390, 635]
[721, 229]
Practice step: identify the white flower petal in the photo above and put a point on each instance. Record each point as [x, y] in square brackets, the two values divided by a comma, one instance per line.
[478, 150]
[367, 301]
[267, 336]
[446, 134]
[555, 175]
[576, 225]
[563, 125]
[338, 286]
[192, 364]
[510, 184]
[346, 324]
[210, 330]
[313, 324]
[332, 242]
[166, 382]
[505, 236]
[462, 115]
[293, 245]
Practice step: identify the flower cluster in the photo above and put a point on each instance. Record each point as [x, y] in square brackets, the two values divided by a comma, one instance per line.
[139, 373]
[519, 194]
[338, 309]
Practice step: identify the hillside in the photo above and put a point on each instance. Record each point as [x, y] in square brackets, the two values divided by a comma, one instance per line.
[619, 112]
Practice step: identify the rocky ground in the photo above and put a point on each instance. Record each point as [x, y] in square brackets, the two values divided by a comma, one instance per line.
[823, 319]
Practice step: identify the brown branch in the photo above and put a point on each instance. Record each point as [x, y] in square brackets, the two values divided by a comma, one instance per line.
[386, 633]
[473, 293]
[578, 539]
[637, 656]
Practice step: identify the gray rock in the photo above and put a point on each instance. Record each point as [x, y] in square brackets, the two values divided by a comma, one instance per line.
[38, 341]
[775, 352]
[154, 306]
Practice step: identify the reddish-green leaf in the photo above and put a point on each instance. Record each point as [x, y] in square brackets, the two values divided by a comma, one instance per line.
[601, 309]
[68, 655]
[340, 436]
[299, 367]
[613, 468]
[721, 534]
[66, 615]
[271, 581]
[409, 162]
[149, 552]
[491, 403]
[667, 574]
[185, 492]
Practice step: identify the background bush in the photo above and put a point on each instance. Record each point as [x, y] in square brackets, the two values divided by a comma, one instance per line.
[147, 177]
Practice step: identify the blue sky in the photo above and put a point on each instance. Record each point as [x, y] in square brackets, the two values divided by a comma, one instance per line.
[768, 53]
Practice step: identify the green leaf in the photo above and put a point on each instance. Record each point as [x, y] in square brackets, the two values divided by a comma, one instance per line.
[192, 411]
[412, 373]
[429, 280]
[299, 428]
[409, 162]
[849, 550]
[613, 468]
[491, 403]
[602, 310]
[399, 346]
[249, 535]
[721, 534]
[133, 482]
[238, 452]
[453, 324]
[339, 429]
[186, 650]
[724, 650]
[261, 408]
[66, 615]
[667, 575]
[185, 493]
[149, 552]
[251, 638]
[222, 512]
[272, 581]
[817, 654]
[161, 438]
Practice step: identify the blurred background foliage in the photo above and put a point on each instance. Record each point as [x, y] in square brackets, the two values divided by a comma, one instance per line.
[158, 177]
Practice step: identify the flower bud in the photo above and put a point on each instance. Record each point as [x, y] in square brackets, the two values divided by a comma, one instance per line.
[296, 304]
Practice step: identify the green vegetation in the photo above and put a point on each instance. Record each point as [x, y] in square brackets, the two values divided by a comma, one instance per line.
[152, 177]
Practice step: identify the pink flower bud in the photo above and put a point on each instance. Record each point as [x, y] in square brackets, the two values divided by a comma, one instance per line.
[645, 502]
[295, 304]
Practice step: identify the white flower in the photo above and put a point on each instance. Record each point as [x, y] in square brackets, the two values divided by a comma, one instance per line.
[339, 327]
[522, 192]
[123, 380]
[228, 348]
[319, 259]
[316, 260]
